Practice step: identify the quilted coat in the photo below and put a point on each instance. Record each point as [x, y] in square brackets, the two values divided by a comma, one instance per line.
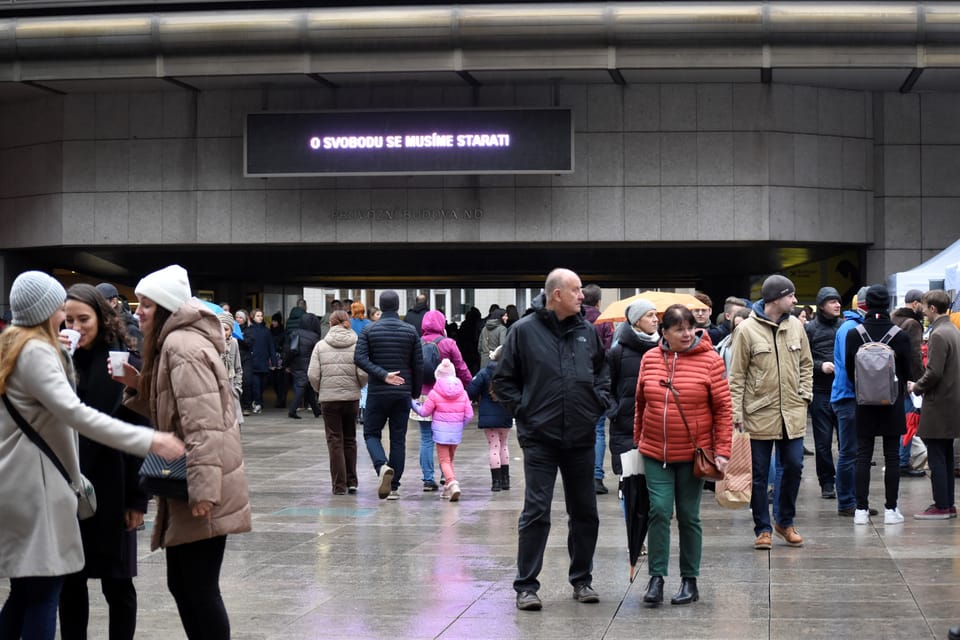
[193, 398]
[450, 408]
[434, 324]
[698, 375]
[332, 372]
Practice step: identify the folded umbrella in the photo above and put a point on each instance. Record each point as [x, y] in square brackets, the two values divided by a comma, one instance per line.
[636, 506]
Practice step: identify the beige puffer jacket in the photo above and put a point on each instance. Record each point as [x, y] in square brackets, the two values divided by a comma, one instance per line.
[771, 377]
[194, 399]
[332, 373]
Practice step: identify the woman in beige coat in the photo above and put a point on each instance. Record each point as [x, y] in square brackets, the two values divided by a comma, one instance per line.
[40, 540]
[337, 381]
[184, 388]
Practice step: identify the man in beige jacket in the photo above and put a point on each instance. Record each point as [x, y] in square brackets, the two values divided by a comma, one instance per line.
[771, 384]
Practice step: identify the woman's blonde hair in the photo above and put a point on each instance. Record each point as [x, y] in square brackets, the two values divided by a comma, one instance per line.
[12, 341]
[357, 310]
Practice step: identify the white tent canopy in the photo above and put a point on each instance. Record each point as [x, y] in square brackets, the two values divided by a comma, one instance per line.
[944, 266]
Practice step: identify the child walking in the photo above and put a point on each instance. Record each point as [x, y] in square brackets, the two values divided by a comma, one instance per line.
[450, 408]
[495, 421]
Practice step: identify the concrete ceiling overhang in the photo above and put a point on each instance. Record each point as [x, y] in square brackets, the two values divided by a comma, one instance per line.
[886, 46]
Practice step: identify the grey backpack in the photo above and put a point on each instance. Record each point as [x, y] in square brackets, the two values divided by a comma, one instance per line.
[876, 372]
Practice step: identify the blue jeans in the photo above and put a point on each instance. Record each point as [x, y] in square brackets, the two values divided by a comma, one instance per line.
[824, 426]
[31, 608]
[600, 447]
[790, 453]
[379, 412]
[846, 411]
[426, 450]
[776, 473]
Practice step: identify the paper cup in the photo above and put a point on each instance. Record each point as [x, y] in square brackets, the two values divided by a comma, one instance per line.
[117, 358]
[73, 336]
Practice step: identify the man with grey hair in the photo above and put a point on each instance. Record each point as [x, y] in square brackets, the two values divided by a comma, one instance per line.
[556, 401]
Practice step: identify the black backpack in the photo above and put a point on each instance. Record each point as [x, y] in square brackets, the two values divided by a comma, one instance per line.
[431, 359]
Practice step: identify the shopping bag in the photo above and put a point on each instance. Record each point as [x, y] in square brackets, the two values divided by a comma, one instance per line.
[734, 490]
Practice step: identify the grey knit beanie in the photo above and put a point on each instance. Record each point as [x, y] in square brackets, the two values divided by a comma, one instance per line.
[775, 287]
[637, 309]
[226, 319]
[34, 297]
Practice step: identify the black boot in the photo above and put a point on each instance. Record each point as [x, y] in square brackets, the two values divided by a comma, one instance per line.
[654, 594]
[505, 477]
[495, 476]
[687, 593]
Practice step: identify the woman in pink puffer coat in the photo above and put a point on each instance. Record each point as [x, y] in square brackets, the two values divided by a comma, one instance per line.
[448, 405]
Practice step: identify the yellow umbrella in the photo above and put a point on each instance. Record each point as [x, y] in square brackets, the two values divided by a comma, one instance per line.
[617, 311]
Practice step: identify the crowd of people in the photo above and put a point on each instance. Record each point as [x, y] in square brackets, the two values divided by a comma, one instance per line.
[670, 382]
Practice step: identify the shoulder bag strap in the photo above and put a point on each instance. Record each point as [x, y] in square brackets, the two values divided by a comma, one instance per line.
[668, 383]
[36, 439]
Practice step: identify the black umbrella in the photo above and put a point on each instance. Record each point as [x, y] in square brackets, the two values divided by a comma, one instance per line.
[636, 505]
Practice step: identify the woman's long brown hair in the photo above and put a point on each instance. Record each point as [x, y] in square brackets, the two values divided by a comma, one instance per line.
[151, 350]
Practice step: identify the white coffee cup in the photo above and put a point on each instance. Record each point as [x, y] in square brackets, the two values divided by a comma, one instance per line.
[117, 358]
[73, 336]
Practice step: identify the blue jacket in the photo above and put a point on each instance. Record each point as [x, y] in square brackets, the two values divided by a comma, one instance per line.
[493, 415]
[842, 384]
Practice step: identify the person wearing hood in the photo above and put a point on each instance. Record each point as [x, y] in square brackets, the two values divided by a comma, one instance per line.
[40, 540]
[771, 384]
[184, 389]
[338, 380]
[450, 410]
[492, 335]
[638, 336]
[682, 397]
[554, 379]
[822, 333]
[843, 400]
[309, 334]
[434, 330]
[887, 422]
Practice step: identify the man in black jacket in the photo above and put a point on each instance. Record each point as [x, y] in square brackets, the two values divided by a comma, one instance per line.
[553, 378]
[389, 351]
[415, 315]
[822, 333]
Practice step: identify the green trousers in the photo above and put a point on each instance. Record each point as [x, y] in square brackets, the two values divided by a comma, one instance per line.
[669, 485]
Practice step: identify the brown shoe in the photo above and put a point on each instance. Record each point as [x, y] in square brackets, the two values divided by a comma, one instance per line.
[763, 542]
[789, 535]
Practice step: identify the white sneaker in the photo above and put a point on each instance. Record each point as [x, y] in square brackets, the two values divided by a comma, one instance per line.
[386, 477]
[861, 516]
[454, 491]
[892, 516]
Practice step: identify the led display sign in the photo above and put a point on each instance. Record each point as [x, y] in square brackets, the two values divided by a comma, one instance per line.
[406, 142]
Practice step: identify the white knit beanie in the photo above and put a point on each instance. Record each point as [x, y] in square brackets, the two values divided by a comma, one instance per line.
[34, 297]
[169, 287]
[445, 369]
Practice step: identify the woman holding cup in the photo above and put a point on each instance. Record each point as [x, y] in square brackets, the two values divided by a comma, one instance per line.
[40, 541]
[109, 537]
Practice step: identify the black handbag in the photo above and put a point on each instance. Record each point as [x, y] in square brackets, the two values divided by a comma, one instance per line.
[164, 478]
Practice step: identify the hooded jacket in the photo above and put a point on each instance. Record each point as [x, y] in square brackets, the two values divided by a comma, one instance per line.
[822, 333]
[332, 373]
[493, 415]
[553, 377]
[771, 376]
[450, 408]
[492, 335]
[193, 398]
[698, 375]
[624, 362]
[434, 326]
[842, 388]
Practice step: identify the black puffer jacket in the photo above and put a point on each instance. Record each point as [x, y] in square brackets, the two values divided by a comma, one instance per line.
[553, 377]
[822, 333]
[880, 420]
[624, 362]
[390, 345]
[309, 332]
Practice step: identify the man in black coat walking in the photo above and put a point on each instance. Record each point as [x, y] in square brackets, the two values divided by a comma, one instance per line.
[553, 377]
[389, 351]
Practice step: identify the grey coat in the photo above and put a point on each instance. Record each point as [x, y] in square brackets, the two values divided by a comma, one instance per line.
[40, 535]
[940, 382]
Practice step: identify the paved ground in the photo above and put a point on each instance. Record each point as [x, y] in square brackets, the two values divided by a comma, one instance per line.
[324, 566]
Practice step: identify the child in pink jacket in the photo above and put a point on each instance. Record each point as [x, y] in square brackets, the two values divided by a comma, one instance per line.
[450, 408]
